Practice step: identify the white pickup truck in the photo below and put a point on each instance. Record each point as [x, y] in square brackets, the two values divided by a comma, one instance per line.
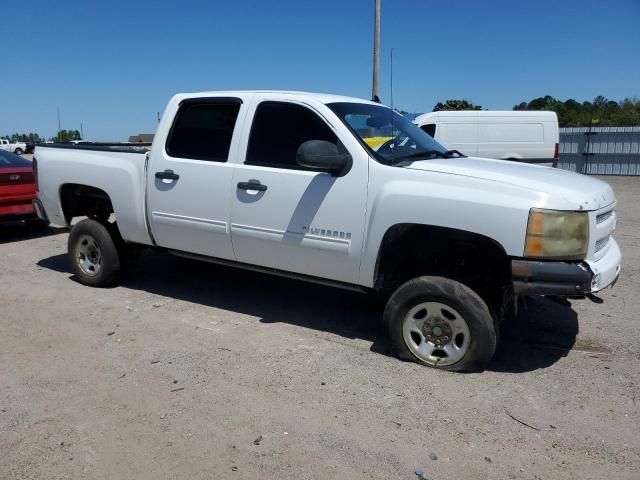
[288, 183]
[18, 147]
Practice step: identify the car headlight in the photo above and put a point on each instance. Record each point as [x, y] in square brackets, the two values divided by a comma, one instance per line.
[555, 234]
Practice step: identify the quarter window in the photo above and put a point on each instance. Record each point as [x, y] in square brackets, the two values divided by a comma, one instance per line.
[430, 129]
[279, 129]
[203, 131]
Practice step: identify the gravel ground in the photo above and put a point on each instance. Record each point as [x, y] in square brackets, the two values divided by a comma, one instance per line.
[191, 370]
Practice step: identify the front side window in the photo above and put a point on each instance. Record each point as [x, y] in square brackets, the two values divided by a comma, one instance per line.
[279, 129]
[388, 136]
[203, 131]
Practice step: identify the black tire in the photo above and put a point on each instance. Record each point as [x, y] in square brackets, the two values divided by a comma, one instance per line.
[481, 343]
[82, 236]
[18, 151]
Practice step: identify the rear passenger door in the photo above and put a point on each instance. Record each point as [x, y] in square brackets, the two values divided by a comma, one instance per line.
[189, 178]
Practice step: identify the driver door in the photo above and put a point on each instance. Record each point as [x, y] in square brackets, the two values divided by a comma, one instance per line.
[293, 218]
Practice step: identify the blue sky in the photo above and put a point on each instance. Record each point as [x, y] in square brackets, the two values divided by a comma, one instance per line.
[113, 64]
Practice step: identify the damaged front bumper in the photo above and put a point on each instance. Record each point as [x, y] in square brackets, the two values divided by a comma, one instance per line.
[557, 278]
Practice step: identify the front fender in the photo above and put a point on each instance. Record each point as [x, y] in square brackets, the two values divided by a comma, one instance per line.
[495, 210]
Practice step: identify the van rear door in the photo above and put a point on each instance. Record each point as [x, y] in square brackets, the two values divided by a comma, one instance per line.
[529, 137]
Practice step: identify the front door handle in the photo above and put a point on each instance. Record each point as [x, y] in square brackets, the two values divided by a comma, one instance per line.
[252, 186]
[167, 175]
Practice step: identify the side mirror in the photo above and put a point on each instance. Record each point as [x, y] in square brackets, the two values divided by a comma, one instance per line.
[322, 155]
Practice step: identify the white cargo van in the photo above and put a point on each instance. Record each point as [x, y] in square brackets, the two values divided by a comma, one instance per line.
[528, 136]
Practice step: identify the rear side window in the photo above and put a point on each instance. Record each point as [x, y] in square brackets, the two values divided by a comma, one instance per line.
[429, 129]
[279, 129]
[203, 131]
[8, 159]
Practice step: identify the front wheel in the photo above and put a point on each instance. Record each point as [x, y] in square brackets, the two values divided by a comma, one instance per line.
[93, 254]
[441, 323]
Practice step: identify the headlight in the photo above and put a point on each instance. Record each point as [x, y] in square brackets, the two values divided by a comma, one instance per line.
[554, 234]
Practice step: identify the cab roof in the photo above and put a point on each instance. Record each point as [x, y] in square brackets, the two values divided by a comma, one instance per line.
[325, 98]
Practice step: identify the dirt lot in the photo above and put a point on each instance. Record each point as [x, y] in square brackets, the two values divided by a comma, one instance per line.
[195, 371]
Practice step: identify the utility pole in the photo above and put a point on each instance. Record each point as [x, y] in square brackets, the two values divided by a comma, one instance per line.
[376, 51]
[81, 132]
[59, 128]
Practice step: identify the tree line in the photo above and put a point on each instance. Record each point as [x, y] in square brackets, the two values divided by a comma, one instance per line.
[571, 113]
[62, 136]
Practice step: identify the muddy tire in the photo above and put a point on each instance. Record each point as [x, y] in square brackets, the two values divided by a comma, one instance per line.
[442, 324]
[94, 254]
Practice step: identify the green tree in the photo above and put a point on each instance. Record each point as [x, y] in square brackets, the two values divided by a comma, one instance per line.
[453, 104]
[607, 113]
[24, 137]
[68, 135]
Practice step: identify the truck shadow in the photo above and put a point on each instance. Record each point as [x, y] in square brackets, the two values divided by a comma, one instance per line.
[19, 230]
[543, 332]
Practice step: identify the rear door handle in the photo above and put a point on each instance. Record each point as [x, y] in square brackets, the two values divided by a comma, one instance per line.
[252, 186]
[167, 175]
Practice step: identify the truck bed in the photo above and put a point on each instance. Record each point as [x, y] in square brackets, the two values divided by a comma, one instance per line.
[118, 169]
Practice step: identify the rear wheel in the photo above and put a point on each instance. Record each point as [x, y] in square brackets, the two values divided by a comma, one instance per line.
[93, 254]
[18, 151]
[441, 323]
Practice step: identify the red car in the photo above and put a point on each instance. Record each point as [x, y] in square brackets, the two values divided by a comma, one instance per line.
[17, 188]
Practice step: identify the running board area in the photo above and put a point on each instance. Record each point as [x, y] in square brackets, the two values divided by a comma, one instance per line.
[271, 271]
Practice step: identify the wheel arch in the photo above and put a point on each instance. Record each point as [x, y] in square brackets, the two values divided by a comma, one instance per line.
[78, 200]
[408, 250]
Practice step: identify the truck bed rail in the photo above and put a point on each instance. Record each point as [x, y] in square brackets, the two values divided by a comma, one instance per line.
[101, 147]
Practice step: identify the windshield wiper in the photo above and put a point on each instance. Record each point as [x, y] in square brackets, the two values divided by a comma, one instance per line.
[457, 154]
[426, 153]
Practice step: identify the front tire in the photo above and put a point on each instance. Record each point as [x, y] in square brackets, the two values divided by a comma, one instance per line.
[93, 254]
[18, 151]
[442, 324]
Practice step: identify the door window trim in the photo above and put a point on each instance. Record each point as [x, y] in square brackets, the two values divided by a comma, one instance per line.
[202, 101]
[296, 168]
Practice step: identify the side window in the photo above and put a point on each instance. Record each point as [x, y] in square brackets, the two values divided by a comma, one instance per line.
[203, 131]
[430, 129]
[279, 129]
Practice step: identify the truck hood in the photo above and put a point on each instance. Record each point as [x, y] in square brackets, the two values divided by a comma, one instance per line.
[580, 191]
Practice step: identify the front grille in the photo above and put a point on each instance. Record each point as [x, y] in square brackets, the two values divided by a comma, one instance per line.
[600, 244]
[603, 217]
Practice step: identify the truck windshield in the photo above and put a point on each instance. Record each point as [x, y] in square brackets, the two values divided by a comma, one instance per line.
[390, 137]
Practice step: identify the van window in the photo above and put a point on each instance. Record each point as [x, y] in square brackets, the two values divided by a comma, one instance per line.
[203, 131]
[430, 129]
[458, 133]
[510, 133]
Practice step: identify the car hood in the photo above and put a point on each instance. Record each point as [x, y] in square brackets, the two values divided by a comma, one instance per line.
[580, 191]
